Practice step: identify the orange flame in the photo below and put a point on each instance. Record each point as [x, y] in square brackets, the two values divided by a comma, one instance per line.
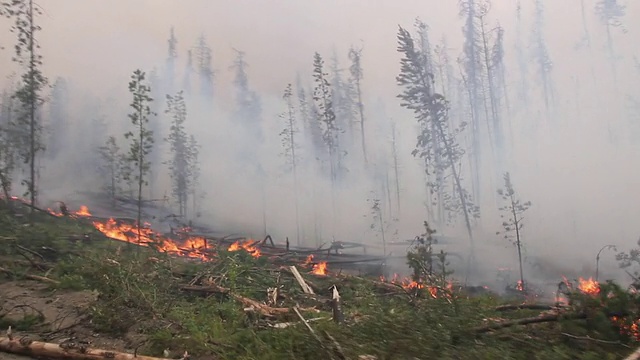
[320, 268]
[248, 245]
[410, 284]
[84, 211]
[589, 286]
[308, 261]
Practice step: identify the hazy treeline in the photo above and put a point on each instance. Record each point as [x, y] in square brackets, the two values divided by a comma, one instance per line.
[328, 158]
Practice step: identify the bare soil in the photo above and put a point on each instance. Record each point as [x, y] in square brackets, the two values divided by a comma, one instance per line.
[64, 312]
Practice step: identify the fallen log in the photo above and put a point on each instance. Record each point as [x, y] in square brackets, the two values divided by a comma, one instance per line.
[316, 289]
[31, 277]
[634, 355]
[526, 321]
[296, 274]
[526, 306]
[46, 350]
[263, 309]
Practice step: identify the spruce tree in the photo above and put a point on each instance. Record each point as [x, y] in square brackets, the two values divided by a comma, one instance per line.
[111, 167]
[437, 139]
[29, 93]
[289, 138]
[142, 139]
[181, 153]
[326, 114]
[512, 219]
[357, 74]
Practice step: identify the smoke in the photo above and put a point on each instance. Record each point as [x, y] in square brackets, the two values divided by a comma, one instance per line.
[576, 166]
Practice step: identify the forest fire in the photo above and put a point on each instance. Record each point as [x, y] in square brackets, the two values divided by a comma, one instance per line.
[589, 286]
[129, 233]
[84, 211]
[247, 245]
[410, 284]
[320, 268]
[192, 246]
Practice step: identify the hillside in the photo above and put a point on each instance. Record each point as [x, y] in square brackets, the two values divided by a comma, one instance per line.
[67, 283]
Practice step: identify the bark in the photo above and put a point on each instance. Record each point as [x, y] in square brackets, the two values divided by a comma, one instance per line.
[263, 309]
[32, 277]
[525, 306]
[526, 321]
[54, 351]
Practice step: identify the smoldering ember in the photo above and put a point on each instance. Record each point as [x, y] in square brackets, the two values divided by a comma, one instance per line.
[236, 179]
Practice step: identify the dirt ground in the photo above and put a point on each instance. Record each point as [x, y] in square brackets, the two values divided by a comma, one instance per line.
[64, 315]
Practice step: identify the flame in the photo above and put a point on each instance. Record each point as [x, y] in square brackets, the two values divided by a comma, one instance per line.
[53, 212]
[308, 261]
[84, 211]
[248, 245]
[632, 330]
[589, 286]
[410, 284]
[320, 268]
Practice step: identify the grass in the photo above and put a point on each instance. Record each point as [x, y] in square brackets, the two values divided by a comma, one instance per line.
[140, 293]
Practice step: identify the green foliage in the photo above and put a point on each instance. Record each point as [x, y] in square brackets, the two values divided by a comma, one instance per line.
[512, 215]
[428, 268]
[142, 139]
[112, 166]
[140, 294]
[184, 152]
[437, 143]
[326, 115]
[28, 128]
[288, 133]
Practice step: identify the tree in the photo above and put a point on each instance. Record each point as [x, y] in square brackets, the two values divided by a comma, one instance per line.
[29, 94]
[111, 167]
[180, 165]
[309, 119]
[7, 162]
[58, 118]
[248, 107]
[512, 219]
[194, 170]
[492, 58]
[437, 140]
[326, 115]
[471, 72]
[188, 72]
[355, 55]
[610, 13]
[396, 164]
[344, 103]
[327, 118]
[541, 57]
[522, 59]
[378, 223]
[288, 135]
[204, 58]
[170, 63]
[142, 139]
[7, 146]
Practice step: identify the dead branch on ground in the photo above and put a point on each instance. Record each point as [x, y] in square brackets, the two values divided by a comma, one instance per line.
[31, 277]
[527, 321]
[526, 307]
[70, 351]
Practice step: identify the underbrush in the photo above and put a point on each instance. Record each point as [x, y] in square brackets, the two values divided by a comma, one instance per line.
[181, 304]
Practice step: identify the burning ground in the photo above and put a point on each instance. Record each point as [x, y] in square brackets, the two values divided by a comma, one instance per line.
[75, 279]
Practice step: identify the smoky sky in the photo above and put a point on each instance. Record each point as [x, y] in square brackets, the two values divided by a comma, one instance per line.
[582, 177]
